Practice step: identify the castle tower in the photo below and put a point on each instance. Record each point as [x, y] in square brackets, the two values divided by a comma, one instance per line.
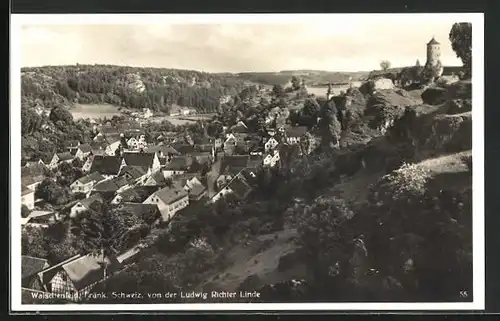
[433, 52]
[434, 55]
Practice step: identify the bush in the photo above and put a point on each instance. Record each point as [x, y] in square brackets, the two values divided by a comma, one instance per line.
[408, 180]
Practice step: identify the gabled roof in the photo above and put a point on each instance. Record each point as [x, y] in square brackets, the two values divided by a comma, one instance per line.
[106, 129]
[106, 165]
[137, 194]
[171, 194]
[31, 265]
[179, 163]
[85, 148]
[25, 190]
[112, 138]
[234, 164]
[87, 202]
[183, 148]
[64, 156]
[134, 172]
[35, 170]
[165, 149]
[88, 269]
[139, 159]
[203, 147]
[196, 190]
[92, 177]
[110, 185]
[159, 178]
[240, 188]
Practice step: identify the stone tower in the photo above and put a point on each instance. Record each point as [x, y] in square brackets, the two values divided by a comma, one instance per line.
[434, 55]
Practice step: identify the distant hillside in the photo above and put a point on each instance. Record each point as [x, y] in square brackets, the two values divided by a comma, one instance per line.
[132, 87]
[447, 70]
[311, 77]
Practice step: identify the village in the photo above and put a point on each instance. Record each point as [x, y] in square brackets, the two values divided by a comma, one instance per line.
[157, 178]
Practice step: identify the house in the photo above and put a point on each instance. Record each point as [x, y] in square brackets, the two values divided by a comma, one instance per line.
[148, 160]
[85, 204]
[163, 151]
[106, 131]
[40, 219]
[58, 158]
[203, 157]
[183, 148]
[108, 188]
[75, 277]
[31, 180]
[188, 180]
[81, 152]
[197, 192]
[107, 166]
[135, 175]
[30, 267]
[192, 184]
[98, 148]
[178, 165]
[272, 159]
[35, 163]
[230, 167]
[184, 111]
[156, 179]
[135, 143]
[112, 145]
[293, 135]
[240, 127]
[136, 194]
[84, 184]
[72, 145]
[270, 144]
[230, 142]
[27, 197]
[131, 255]
[169, 200]
[149, 213]
[237, 187]
[146, 113]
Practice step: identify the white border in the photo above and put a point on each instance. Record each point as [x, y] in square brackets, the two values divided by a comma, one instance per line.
[477, 20]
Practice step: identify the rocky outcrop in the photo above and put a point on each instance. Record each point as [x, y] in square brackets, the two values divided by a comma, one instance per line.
[447, 80]
[440, 95]
[383, 84]
[387, 106]
[434, 95]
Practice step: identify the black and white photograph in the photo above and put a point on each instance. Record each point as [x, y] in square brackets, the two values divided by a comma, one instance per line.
[290, 161]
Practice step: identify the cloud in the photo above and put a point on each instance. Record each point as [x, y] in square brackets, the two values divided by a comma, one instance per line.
[339, 44]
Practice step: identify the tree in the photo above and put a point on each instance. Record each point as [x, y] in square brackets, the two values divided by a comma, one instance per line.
[278, 91]
[25, 212]
[461, 42]
[418, 63]
[52, 192]
[311, 108]
[295, 83]
[385, 64]
[100, 232]
[60, 114]
[329, 125]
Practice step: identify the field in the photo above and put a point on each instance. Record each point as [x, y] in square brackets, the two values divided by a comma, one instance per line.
[94, 111]
[321, 91]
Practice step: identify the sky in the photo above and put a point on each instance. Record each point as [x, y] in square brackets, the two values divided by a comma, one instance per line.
[332, 43]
